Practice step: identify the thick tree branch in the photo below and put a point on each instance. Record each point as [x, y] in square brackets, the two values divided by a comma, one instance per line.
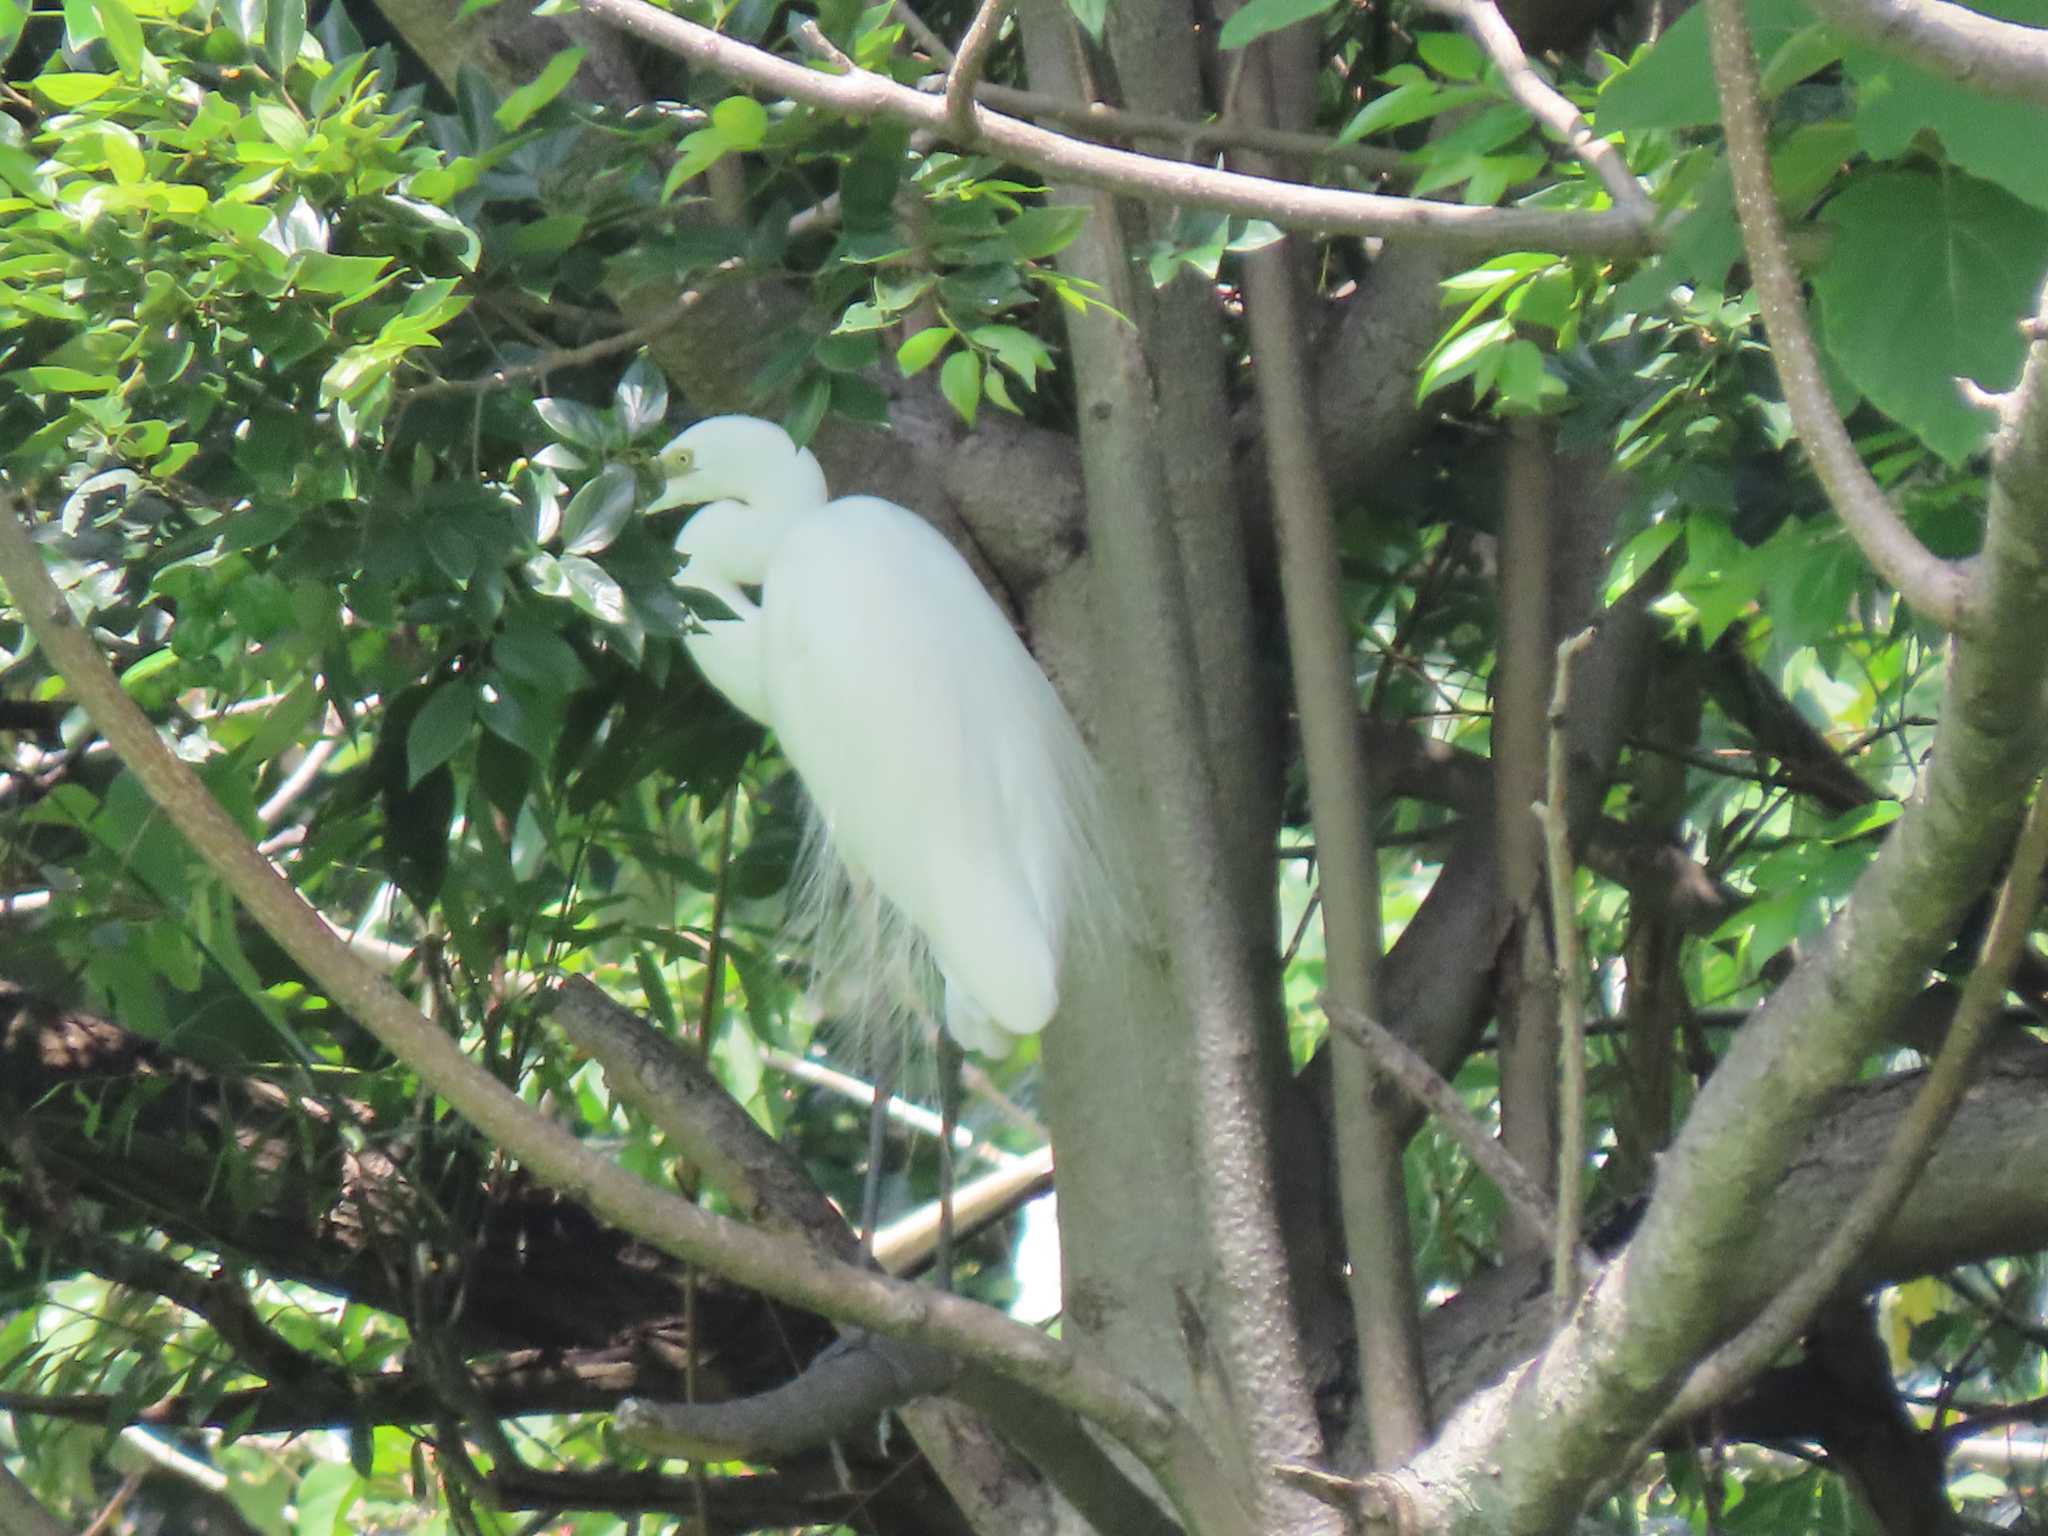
[1938, 588]
[1288, 204]
[1985, 53]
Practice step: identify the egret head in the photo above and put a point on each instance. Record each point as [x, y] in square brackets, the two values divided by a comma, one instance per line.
[742, 459]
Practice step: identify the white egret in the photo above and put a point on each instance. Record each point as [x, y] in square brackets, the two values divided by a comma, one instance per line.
[961, 815]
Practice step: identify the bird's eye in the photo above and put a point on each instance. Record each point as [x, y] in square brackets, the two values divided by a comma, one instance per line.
[682, 458]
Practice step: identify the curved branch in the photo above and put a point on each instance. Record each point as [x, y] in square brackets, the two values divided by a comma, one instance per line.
[1937, 587]
[968, 63]
[844, 1389]
[1287, 204]
[773, 1265]
[1490, 30]
[1985, 53]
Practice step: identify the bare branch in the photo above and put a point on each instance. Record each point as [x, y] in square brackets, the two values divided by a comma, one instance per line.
[1099, 120]
[1529, 1205]
[1938, 588]
[906, 1243]
[1742, 1359]
[922, 33]
[1985, 53]
[1571, 986]
[1490, 30]
[565, 357]
[843, 1390]
[1287, 204]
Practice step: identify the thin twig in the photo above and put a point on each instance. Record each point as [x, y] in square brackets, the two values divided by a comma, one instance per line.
[914, 1117]
[707, 1017]
[968, 64]
[1291, 205]
[1490, 30]
[1528, 1205]
[1938, 588]
[565, 357]
[1738, 1362]
[1096, 118]
[812, 39]
[1571, 986]
[103, 1522]
[921, 32]
[298, 780]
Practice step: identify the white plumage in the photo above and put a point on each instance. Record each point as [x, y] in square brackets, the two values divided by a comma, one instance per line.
[945, 774]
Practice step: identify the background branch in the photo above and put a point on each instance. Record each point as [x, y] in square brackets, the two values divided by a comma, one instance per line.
[1290, 205]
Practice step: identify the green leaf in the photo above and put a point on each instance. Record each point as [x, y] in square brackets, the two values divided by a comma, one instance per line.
[598, 511]
[438, 730]
[641, 401]
[1997, 140]
[124, 153]
[808, 406]
[73, 90]
[1017, 350]
[1461, 355]
[1671, 83]
[1258, 18]
[960, 383]
[1451, 54]
[123, 34]
[1037, 233]
[1925, 283]
[591, 589]
[553, 79]
[699, 151]
[741, 121]
[576, 423]
[81, 24]
[68, 381]
[284, 29]
[1091, 14]
[326, 1494]
[352, 277]
[922, 349]
[529, 653]
[13, 17]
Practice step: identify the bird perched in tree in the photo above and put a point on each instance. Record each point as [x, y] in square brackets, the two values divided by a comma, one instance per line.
[958, 817]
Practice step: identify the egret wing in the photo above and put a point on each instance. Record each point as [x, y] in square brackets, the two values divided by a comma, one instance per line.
[936, 752]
